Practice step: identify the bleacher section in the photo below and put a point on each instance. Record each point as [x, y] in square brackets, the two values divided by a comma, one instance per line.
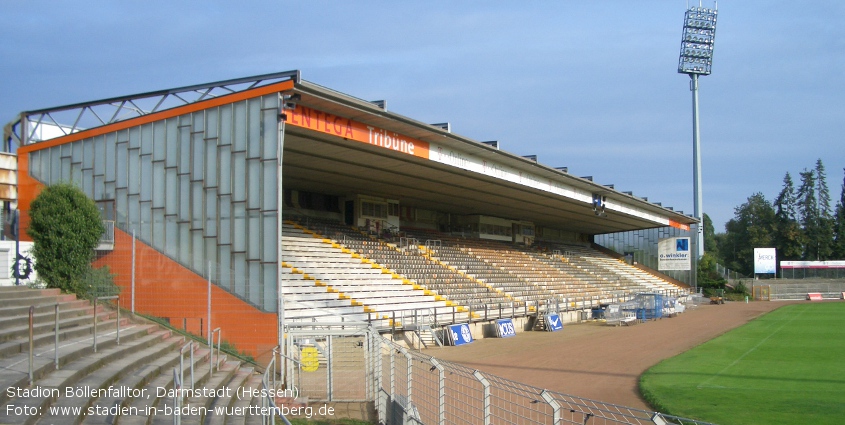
[336, 270]
[327, 282]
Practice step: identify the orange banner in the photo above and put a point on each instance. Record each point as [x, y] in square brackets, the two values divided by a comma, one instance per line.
[346, 128]
[677, 225]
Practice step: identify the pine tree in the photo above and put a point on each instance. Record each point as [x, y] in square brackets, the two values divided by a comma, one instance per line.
[839, 226]
[788, 238]
[825, 215]
[808, 214]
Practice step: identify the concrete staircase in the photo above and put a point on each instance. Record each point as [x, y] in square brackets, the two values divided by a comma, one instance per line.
[126, 383]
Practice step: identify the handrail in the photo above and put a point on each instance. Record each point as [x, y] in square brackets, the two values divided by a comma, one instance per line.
[96, 300]
[177, 400]
[190, 347]
[269, 410]
[212, 365]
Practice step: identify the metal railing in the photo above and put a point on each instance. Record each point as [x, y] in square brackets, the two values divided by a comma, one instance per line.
[117, 322]
[269, 410]
[413, 388]
[56, 330]
[214, 364]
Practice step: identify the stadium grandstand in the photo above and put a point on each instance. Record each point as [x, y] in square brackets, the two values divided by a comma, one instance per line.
[263, 205]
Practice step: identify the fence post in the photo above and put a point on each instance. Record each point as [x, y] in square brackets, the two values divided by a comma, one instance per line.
[133, 271]
[410, 377]
[95, 324]
[554, 405]
[329, 368]
[441, 390]
[56, 361]
[31, 344]
[486, 384]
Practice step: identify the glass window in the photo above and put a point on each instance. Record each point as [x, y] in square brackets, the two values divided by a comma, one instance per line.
[254, 184]
[255, 289]
[211, 168]
[225, 173]
[239, 130]
[159, 141]
[172, 198]
[122, 165]
[171, 236]
[238, 177]
[146, 177]
[225, 260]
[270, 130]
[198, 119]
[134, 138]
[270, 278]
[171, 157]
[254, 129]
[159, 184]
[134, 163]
[197, 204]
[225, 125]
[35, 168]
[238, 227]
[269, 237]
[185, 256]
[88, 154]
[225, 212]
[184, 150]
[99, 155]
[269, 185]
[159, 229]
[211, 123]
[88, 182]
[146, 222]
[239, 274]
[99, 188]
[210, 257]
[184, 198]
[110, 147]
[253, 235]
[147, 139]
[210, 213]
[198, 252]
[197, 156]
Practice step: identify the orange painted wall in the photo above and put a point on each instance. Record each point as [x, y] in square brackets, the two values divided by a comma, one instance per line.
[164, 288]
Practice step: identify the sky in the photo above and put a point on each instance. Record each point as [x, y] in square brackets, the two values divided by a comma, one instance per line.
[590, 85]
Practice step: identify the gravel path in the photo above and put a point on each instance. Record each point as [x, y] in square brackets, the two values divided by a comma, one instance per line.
[597, 361]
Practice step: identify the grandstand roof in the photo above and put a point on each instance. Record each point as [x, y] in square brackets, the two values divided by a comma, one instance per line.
[440, 171]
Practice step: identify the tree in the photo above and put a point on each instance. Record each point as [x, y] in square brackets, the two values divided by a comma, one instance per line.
[65, 226]
[788, 238]
[710, 244]
[752, 227]
[839, 226]
[808, 210]
[825, 231]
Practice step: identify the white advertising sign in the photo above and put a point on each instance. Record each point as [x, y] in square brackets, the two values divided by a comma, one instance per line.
[765, 261]
[673, 254]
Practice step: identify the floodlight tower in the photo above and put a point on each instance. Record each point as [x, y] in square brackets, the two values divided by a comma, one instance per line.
[696, 59]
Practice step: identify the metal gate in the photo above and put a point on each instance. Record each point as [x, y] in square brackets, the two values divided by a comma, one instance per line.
[327, 361]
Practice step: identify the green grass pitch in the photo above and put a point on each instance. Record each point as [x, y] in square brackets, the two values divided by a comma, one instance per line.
[786, 367]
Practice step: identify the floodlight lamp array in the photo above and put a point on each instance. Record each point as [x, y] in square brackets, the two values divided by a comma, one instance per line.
[697, 42]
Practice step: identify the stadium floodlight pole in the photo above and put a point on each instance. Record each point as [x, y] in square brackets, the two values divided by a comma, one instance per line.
[696, 58]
